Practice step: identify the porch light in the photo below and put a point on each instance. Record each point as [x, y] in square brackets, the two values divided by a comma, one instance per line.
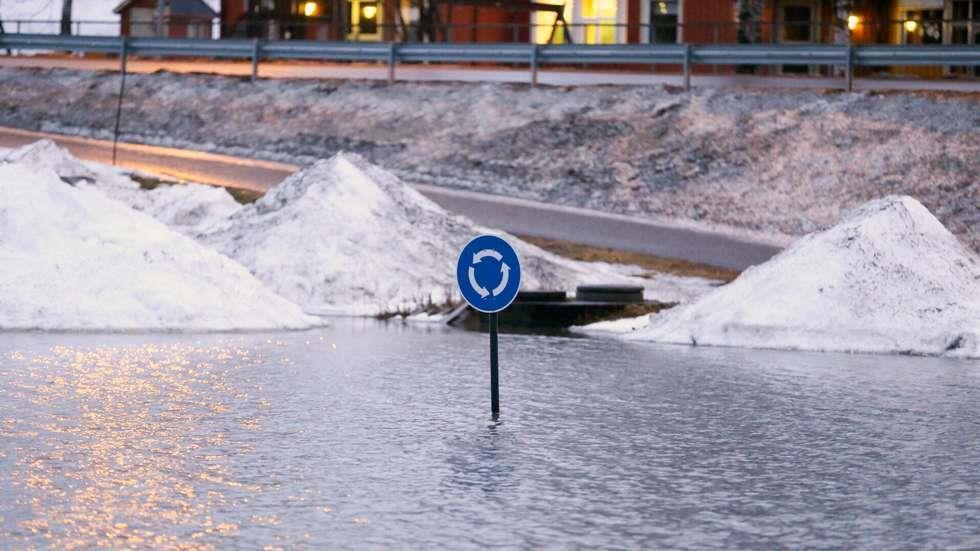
[910, 26]
[310, 9]
[853, 21]
[369, 11]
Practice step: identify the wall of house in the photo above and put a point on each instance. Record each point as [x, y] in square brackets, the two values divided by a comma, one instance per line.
[495, 24]
[708, 21]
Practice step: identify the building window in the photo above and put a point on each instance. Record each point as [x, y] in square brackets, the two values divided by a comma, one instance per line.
[663, 21]
[966, 18]
[599, 21]
[362, 19]
[546, 28]
[923, 27]
[797, 23]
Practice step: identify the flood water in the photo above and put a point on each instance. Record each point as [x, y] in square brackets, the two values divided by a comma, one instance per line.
[368, 436]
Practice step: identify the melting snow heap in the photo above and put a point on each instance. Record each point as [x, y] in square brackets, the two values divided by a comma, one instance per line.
[339, 237]
[74, 259]
[889, 278]
[186, 208]
[343, 236]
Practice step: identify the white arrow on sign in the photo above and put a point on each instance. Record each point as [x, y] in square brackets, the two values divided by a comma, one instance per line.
[505, 275]
[477, 257]
[476, 286]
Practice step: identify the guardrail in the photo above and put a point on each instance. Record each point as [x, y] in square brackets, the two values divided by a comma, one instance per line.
[391, 53]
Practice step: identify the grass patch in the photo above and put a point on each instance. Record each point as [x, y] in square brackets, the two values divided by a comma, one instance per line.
[241, 195]
[657, 264]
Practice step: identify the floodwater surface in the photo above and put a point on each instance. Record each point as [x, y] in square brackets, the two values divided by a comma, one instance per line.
[365, 435]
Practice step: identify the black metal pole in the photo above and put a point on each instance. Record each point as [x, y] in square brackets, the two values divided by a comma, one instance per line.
[494, 379]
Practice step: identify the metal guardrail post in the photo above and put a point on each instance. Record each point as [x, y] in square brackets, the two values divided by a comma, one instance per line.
[687, 67]
[392, 58]
[850, 68]
[255, 59]
[534, 65]
[123, 53]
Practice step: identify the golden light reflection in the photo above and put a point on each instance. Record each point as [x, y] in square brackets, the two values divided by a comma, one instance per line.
[131, 463]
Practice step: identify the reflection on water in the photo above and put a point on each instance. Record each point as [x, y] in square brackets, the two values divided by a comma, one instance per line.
[365, 435]
[111, 447]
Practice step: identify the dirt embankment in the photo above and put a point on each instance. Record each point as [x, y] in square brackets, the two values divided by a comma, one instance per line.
[783, 162]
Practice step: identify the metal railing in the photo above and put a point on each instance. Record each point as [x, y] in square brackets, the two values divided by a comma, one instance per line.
[391, 53]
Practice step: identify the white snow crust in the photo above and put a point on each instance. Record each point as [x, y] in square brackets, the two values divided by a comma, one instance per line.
[185, 207]
[343, 237]
[889, 278]
[346, 237]
[74, 259]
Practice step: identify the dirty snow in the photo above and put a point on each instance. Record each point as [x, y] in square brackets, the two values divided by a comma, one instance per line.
[765, 162]
[346, 237]
[343, 237]
[74, 259]
[889, 278]
[186, 207]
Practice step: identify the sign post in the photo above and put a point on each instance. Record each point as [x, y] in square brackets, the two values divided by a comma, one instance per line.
[488, 274]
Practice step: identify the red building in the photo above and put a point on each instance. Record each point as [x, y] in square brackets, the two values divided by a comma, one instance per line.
[174, 18]
[608, 21]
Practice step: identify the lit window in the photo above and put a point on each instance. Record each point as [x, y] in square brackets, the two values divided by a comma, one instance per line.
[663, 21]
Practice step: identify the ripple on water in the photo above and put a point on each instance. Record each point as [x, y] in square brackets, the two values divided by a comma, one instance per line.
[363, 435]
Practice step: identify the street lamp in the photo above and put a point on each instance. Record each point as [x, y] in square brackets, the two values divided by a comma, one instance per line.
[853, 21]
[310, 9]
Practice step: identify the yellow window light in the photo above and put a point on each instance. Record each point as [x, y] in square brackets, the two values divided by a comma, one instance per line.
[369, 11]
[911, 25]
[310, 9]
[853, 21]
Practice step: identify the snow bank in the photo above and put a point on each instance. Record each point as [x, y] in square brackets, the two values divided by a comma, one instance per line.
[45, 153]
[187, 208]
[889, 278]
[74, 259]
[346, 237]
[341, 237]
[766, 163]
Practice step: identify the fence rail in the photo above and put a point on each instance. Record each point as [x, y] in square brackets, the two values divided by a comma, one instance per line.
[391, 53]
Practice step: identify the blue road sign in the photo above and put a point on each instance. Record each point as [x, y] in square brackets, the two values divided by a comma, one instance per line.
[488, 273]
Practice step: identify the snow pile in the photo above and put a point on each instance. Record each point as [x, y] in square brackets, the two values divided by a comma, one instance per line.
[45, 153]
[74, 259]
[889, 278]
[188, 208]
[346, 237]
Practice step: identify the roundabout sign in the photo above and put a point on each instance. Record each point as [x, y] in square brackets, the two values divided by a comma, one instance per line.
[488, 274]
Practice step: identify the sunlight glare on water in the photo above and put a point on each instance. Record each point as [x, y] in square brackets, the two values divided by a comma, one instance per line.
[378, 435]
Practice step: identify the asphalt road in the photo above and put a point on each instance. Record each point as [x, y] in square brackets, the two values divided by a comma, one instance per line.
[457, 73]
[589, 227]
